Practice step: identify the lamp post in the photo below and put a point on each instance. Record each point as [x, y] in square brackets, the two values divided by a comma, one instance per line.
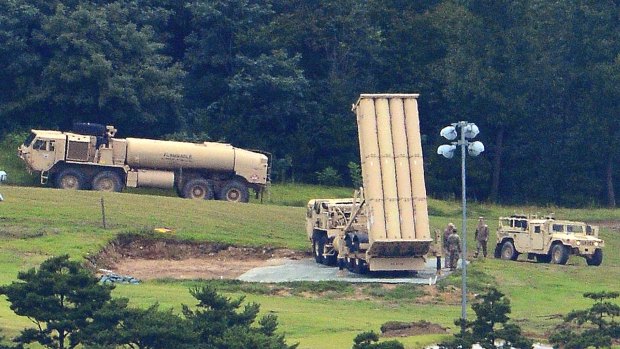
[468, 131]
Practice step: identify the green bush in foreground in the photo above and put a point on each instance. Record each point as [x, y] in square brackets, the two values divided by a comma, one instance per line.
[596, 326]
[490, 329]
[70, 308]
[60, 298]
[367, 340]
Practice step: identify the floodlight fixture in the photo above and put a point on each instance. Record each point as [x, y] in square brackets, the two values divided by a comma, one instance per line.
[449, 133]
[470, 130]
[447, 150]
[475, 148]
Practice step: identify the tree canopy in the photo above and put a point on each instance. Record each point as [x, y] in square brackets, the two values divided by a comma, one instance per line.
[70, 308]
[60, 298]
[539, 78]
[594, 327]
[491, 328]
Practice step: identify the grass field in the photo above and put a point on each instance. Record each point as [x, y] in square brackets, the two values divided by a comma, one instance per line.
[36, 223]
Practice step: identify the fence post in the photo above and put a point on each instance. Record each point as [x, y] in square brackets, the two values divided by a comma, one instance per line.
[103, 212]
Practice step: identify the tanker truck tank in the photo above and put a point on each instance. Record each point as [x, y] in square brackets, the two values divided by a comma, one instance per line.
[170, 155]
[98, 161]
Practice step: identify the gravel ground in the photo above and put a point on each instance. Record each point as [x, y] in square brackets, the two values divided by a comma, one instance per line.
[308, 270]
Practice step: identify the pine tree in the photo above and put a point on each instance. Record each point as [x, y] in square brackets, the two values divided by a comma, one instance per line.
[490, 329]
[367, 340]
[218, 323]
[595, 326]
[60, 297]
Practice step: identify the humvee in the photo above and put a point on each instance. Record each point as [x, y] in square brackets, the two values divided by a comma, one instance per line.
[547, 240]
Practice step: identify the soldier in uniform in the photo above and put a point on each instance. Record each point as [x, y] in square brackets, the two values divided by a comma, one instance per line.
[454, 248]
[446, 234]
[482, 236]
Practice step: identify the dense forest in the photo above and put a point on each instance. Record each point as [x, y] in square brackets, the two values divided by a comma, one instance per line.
[540, 78]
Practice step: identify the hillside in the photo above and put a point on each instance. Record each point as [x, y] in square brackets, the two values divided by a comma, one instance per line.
[39, 222]
[280, 76]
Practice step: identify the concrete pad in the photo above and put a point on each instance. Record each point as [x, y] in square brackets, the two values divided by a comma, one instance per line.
[309, 270]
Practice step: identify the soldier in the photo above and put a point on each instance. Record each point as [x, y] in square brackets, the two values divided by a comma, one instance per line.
[2, 179]
[482, 236]
[454, 248]
[446, 234]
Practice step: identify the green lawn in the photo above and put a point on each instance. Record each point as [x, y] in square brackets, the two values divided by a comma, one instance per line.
[36, 223]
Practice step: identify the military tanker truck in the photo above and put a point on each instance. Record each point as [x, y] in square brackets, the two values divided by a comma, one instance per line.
[385, 226]
[91, 157]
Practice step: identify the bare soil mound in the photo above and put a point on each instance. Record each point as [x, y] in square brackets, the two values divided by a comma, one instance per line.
[613, 225]
[406, 329]
[158, 258]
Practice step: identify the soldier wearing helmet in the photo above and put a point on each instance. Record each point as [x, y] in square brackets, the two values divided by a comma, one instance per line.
[446, 233]
[482, 237]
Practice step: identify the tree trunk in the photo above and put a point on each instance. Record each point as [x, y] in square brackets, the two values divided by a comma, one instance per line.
[497, 164]
[611, 194]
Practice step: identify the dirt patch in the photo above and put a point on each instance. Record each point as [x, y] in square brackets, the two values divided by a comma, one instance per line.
[152, 258]
[612, 225]
[435, 295]
[406, 329]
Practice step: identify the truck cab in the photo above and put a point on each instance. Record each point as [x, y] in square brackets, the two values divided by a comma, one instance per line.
[547, 239]
[42, 150]
[333, 227]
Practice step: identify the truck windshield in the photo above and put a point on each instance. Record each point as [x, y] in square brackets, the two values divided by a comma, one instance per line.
[29, 140]
[574, 229]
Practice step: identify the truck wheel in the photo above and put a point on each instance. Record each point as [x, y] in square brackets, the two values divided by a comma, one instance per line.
[71, 178]
[351, 264]
[559, 254]
[508, 251]
[107, 181]
[235, 191]
[360, 266]
[596, 259]
[317, 248]
[198, 188]
[341, 263]
[330, 260]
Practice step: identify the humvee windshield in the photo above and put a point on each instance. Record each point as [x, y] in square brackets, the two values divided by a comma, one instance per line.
[575, 229]
[578, 229]
[29, 140]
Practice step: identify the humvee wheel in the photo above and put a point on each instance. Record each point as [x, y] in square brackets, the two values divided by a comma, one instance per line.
[71, 178]
[498, 251]
[596, 259]
[107, 181]
[508, 251]
[198, 188]
[559, 254]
